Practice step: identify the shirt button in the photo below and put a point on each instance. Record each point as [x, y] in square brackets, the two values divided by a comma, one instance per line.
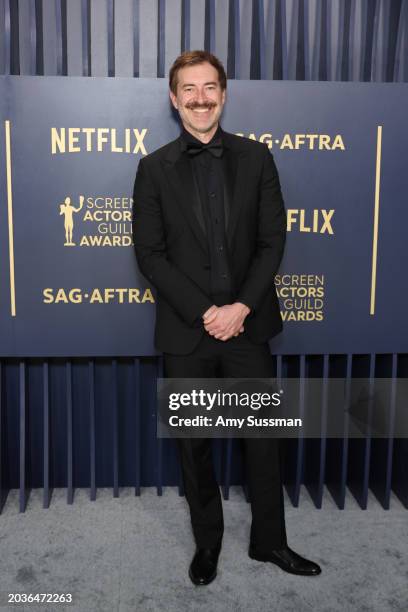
[212, 195]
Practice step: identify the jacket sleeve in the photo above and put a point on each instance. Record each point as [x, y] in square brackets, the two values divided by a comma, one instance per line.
[148, 231]
[270, 241]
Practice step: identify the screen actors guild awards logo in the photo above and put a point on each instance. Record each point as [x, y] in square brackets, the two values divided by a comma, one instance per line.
[68, 211]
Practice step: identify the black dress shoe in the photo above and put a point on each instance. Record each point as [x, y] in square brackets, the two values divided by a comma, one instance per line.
[203, 568]
[288, 560]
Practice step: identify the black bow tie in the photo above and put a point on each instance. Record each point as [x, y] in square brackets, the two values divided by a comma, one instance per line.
[215, 147]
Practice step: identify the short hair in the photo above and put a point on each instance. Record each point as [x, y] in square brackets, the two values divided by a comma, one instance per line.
[192, 58]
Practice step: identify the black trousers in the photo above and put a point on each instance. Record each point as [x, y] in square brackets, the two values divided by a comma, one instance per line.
[236, 358]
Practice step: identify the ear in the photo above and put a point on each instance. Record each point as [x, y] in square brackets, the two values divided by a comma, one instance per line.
[223, 96]
[173, 99]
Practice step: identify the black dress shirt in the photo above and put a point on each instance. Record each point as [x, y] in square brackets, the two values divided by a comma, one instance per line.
[209, 177]
[208, 174]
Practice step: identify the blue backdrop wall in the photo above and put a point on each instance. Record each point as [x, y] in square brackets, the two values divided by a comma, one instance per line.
[91, 422]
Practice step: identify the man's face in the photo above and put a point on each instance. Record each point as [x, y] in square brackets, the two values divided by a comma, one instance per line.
[199, 98]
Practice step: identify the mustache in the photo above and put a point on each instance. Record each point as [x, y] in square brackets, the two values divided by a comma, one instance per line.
[193, 105]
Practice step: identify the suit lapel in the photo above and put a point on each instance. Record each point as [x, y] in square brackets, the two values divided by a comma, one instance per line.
[236, 181]
[178, 171]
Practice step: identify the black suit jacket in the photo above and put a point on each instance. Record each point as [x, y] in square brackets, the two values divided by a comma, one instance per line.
[171, 245]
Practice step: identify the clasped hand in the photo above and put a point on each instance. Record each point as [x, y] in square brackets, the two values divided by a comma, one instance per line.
[224, 322]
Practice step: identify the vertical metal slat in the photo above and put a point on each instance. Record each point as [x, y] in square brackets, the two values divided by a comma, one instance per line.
[111, 37]
[92, 430]
[59, 38]
[391, 432]
[159, 447]
[233, 55]
[24, 493]
[323, 439]
[161, 37]
[300, 446]
[86, 37]
[136, 38]
[115, 429]
[185, 25]
[138, 453]
[3, 482]
[70, 487]
[367, 454]
[209, 26]
[345, 448]
[74, 44]
[46, 434]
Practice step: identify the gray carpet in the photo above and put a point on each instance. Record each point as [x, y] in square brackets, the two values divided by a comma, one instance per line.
[129, 553]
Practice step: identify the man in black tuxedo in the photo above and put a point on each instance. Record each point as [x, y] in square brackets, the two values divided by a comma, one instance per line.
[209, 229]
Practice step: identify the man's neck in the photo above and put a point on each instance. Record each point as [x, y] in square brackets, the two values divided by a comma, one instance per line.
[203, 137]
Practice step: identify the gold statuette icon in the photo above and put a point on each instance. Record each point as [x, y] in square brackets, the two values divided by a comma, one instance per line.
[68, 211]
